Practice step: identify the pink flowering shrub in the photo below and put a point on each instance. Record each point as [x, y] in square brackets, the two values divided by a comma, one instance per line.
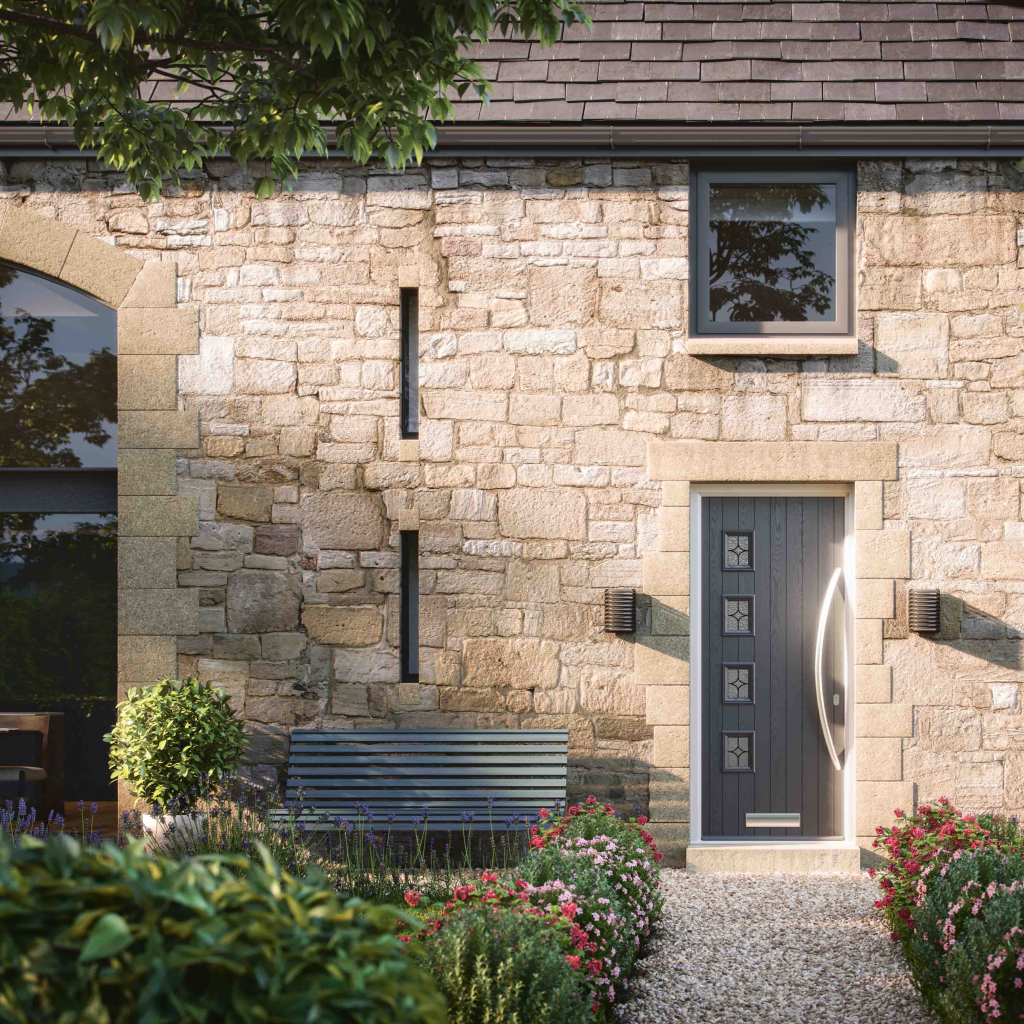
[1001, 987]
[914, 846]
[598, 890]
[953, 891]
[616, 903]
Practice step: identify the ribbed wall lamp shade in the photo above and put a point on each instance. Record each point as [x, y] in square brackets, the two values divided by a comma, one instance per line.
[924, 611]
[620, 610]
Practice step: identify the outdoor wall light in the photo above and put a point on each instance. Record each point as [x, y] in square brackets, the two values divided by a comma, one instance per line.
[923, 613]
[620, 610]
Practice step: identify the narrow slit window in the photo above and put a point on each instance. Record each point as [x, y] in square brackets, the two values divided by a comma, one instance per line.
[410, 362]
[410, 606]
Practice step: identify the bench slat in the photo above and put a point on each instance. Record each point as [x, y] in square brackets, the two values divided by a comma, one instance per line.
[452, 772]
[417, 749]
[419, 771]
[463, 735]
[356, 760]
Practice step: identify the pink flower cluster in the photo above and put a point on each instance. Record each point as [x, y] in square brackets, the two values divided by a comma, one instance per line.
[915, 847]
[1001, 987]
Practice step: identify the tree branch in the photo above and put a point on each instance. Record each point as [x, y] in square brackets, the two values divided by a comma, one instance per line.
[61, 27]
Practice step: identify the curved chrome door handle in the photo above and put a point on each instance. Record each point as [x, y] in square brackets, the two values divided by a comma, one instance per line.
[826, 607]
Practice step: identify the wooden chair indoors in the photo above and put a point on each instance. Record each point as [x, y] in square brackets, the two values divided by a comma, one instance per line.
[40, 784]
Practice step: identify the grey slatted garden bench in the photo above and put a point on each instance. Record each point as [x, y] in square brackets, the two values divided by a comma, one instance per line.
[449, 771]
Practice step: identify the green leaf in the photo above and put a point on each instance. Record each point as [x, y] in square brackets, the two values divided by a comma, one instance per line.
[109, 936]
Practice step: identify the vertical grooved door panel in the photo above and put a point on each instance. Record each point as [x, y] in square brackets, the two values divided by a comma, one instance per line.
[766, 563]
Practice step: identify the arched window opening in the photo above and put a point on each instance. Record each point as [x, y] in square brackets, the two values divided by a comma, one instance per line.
[58, 526]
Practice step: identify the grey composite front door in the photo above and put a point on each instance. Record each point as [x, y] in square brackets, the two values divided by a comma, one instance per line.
[766, 566]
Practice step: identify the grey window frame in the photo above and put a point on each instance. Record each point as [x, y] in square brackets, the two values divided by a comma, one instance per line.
[701, 326]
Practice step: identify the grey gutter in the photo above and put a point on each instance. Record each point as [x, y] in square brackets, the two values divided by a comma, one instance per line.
[633, 139]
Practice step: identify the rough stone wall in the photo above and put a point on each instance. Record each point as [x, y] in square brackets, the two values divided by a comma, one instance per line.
[553, 299]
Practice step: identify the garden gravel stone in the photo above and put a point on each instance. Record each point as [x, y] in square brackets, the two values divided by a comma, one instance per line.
[807, 949]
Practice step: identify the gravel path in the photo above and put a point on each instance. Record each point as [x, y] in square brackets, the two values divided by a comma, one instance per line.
[743, 949]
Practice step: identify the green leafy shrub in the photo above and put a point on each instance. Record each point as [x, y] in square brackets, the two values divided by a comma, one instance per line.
[173, 737]
[968, 907]
[503, 965]
[118, 937]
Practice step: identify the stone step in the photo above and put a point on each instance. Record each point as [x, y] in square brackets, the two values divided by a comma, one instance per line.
[776, 858]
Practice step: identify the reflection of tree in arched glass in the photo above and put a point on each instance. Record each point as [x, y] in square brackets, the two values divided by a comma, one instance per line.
[58, 604]
[58, 375]
[772, 252]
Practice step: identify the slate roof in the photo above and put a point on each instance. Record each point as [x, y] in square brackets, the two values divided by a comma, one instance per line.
[765, 62]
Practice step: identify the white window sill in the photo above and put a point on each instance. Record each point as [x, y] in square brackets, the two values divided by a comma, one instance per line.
[777, 345]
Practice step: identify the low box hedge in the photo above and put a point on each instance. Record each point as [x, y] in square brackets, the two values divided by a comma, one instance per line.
[109, 936]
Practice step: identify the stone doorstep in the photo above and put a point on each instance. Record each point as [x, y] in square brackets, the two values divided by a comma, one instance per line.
[780, 858]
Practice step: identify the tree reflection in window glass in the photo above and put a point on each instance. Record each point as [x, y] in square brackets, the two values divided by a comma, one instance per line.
[58, 573]
[58, 606]
[772, 252]
[58, 375]
[58, 636]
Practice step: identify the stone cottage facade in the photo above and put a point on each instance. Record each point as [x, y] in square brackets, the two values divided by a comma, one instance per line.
[567, 414]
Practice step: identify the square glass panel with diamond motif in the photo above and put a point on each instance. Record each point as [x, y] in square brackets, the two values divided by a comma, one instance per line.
[738, 683]
[738, 751]
[738, 551]
[737, 616]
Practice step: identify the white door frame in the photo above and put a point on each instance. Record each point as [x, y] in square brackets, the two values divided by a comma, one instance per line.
[781, 490]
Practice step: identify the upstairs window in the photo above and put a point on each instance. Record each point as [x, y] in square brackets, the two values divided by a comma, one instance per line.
[772, 259]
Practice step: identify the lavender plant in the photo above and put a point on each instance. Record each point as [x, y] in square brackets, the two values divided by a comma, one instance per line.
[21, 820]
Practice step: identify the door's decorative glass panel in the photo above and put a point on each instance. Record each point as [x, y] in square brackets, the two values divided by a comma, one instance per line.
[738, 616]
[739, 551]
[738, 684]
[58, 375]
[772, 252]
[738, 751]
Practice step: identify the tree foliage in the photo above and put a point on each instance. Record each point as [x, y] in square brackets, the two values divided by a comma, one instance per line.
[157, 86]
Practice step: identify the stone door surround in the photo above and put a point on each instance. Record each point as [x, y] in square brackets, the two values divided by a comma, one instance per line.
[662, 662]
[151, 334]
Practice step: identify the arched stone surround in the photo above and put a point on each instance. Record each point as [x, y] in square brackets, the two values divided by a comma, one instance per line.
[151, 333]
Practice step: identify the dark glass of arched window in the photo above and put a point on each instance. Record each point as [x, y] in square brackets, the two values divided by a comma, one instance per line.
[58, 528]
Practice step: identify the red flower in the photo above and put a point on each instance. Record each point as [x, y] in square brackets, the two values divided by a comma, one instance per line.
[544, 813]
[573, 962]
[642, 820]
[413, 898]
[569, 910]
[489, 876]
[658, 857]
[536, 842]
[593, 967]
[591, 799]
